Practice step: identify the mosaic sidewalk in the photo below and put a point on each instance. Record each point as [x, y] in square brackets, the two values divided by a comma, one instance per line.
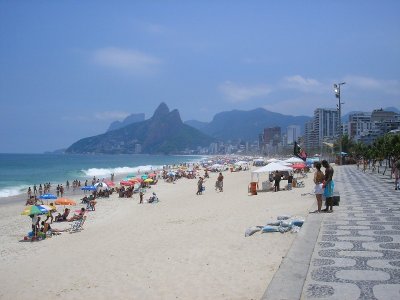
[357, 253]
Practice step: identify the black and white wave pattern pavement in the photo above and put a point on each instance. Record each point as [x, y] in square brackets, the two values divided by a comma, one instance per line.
[357, 254]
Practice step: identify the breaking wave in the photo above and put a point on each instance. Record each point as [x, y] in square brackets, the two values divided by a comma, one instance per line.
[102, 172]
[12, 191]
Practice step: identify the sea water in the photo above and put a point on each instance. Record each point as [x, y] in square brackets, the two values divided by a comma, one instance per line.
[19, 171]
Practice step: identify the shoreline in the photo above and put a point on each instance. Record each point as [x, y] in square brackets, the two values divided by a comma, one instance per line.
[74, 167]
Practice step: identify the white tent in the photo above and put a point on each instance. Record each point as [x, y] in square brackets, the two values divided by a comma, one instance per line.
[274, 166]
[294, 159]
[283, 163]
[271, 160]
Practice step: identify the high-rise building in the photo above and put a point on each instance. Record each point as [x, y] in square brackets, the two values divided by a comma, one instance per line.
[322, 128]
[293, 133]
[272, 135]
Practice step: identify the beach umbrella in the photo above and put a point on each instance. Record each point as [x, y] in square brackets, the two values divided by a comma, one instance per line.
[49, 207]
[127, 183]
[34, 210]
[109, 182]
[88, 188]
[144, 177]
[134, 180]
[294, 160]
[148, 180]
[65, 201]
[101, 185]
[152, 175]
[48, 196]
[298, 166]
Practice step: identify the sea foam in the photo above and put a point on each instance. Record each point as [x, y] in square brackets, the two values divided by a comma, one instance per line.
[12, 191]
[101, 172]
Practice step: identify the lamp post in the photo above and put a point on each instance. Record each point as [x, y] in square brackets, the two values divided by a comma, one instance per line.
[336, 88]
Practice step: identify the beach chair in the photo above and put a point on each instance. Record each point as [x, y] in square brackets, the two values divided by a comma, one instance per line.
[77, 225]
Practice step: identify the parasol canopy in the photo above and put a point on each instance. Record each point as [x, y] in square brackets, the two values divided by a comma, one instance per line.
[65, 201]
[34, 210]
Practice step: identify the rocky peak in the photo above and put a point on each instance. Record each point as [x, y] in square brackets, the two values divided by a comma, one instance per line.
[162, 110]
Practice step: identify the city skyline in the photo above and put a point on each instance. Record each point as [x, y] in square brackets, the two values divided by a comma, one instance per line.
[70, 68]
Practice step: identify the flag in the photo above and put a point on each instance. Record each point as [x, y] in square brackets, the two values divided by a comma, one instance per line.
[300, 153]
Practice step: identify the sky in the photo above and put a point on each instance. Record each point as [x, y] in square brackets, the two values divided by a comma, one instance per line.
[70, 68]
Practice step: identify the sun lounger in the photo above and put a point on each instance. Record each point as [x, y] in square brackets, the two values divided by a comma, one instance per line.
[77, 225]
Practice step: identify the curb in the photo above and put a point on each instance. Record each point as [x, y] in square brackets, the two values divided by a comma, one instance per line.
[288, 281]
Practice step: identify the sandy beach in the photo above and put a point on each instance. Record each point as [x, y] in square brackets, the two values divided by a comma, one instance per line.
[184, 247]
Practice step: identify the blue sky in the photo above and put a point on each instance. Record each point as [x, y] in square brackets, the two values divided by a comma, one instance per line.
[70, 68]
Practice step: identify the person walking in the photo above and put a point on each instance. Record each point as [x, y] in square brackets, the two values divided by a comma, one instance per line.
[220, 182]
[141, 196]
[277, 179]
[328, 186]
[200, 186]
[396, 174]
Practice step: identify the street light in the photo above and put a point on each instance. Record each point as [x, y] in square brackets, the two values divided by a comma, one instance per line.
[336, 88]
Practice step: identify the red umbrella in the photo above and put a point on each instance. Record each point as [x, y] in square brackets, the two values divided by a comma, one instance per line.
[127, 183]
[298, 166]
[109, 182]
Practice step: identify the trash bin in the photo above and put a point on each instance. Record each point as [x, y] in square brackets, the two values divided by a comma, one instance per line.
[253, 188]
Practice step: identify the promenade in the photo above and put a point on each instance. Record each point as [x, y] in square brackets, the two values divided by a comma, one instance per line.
[353, 253]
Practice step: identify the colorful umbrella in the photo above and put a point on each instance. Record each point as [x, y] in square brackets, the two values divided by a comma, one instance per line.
[49, 207]
[152, 175]
[148, 180]
[65, 201]
[101, 185]
[144, 177]
[34, 210]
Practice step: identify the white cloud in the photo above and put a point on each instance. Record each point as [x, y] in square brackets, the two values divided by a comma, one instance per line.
[125, 59]
[111, 115]
[368, 83]
[240, 93]
[301, 83]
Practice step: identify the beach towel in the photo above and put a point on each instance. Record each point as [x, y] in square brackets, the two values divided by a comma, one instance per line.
[328, 191]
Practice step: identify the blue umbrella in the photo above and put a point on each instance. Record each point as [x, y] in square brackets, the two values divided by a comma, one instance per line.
[88, 188]
[48, 196]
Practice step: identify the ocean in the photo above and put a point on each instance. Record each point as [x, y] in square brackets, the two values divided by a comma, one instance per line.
[19, 171]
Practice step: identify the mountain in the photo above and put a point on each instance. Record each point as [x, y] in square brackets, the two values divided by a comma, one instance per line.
[196, 124]
[247, 125]
[163, 133]
[133, 118]
[392, 109]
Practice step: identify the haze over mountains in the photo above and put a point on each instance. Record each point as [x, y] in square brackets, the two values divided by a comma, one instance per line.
[165, 132]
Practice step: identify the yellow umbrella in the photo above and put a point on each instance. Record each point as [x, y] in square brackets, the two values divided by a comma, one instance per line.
[148, 180]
